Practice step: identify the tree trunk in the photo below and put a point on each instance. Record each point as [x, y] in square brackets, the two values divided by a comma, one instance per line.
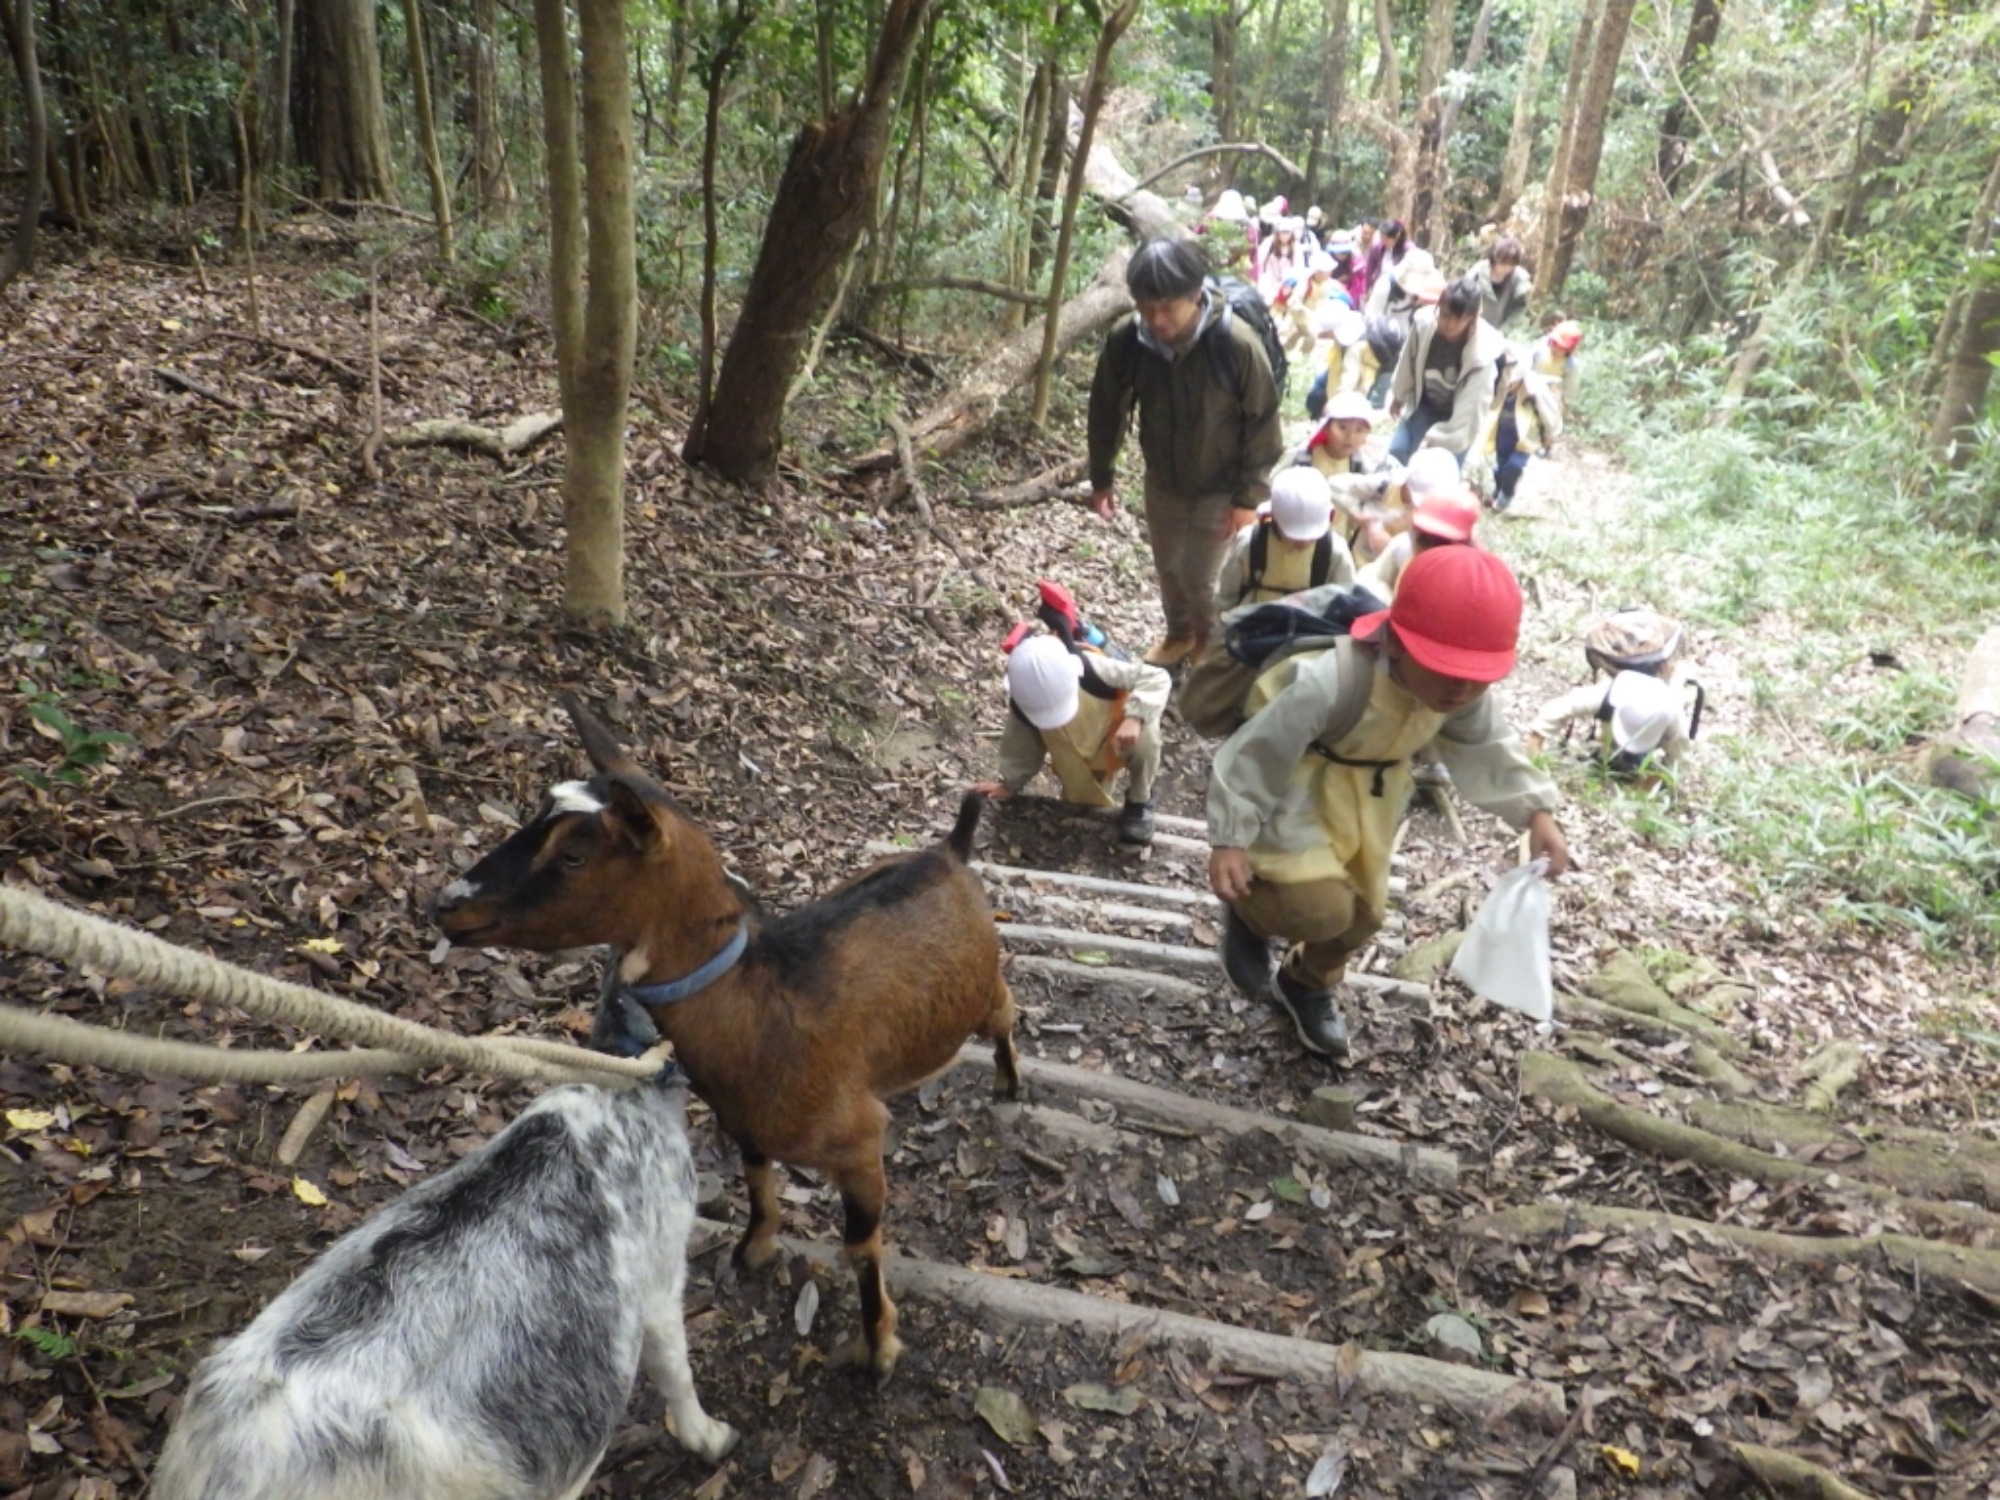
[1094, 90]
[1588, 148]
[1034, 127]
[1432, 60]
[823, 203]
[1703, 25]
[21, 42]
[1880, 147]
[427, 139]
[1388, 129]
[1252, 111]
[277, 123]
[1475, 54]
[493, 184]
[1521, 135]
[350, 134]
[715, 69]
[1332, 92]
[1978, 238]
[1970, 374]
[1048, 178]
[1572, 99]
[1225, 29]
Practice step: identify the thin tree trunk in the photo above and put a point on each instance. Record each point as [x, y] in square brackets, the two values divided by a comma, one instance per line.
[1225, 36]
[823, 203]
[427, 139]
[826, 37]
[1396, 141]
[1882, 145]
[1253, 111]
[1034, 128]
[1968, 378]
[1332, 91]
[1475, 54]
[1572, 100]
[562, 169]
[1587, 150]
[1704, 23]
[1432, 60]
[21, 43]
[1048, 177]
[493, 184]
[716, 70]
[920, 129]
[1978, 239]
[277, 123]
[1527, 89]
[1094, 90]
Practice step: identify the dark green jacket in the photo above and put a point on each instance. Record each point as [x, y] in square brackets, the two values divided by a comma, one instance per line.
[1200, 434]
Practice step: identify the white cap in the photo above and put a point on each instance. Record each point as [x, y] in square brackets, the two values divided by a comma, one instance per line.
[1432, 471]
[1301, 503]
[1229, 206]
[1643, 710]
[1348, 406]
[1350, 327]
[1042, 676]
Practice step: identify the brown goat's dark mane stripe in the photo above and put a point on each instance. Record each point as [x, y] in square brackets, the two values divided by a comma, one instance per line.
[795, 943]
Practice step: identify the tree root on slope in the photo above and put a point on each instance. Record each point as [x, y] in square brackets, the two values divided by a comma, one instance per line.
[1564, 1083]
[1940, 1170]
[1785, 1474]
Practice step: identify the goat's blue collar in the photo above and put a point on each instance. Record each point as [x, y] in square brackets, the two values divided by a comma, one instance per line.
[674, 990]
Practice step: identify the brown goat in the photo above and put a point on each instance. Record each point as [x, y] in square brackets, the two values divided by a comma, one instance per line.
[826, 1012]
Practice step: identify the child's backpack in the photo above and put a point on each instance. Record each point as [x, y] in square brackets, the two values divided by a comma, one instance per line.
[1260, 554]
[1256, 637]
[1058, 611]
[1244, 302]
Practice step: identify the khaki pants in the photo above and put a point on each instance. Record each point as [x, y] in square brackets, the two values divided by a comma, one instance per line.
[1187, 554]
[1144, 767]
[1326, 920]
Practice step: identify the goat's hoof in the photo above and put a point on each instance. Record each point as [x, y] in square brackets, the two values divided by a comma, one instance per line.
[879, 1362]
[712, 1444]
[755, 1254]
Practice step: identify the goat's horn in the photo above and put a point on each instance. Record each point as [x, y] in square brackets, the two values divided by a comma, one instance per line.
[603, 750]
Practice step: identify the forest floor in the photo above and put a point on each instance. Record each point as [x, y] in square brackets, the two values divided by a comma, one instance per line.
[289, 679]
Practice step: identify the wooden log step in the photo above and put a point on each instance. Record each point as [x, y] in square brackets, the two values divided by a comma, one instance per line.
[1128, 890]
[1027, 898]
[1145, 1101]
[1484, 1394]
[1174, 957]
[1114, 979]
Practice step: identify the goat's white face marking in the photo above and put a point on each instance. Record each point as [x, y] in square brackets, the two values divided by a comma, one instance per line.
[574, 797]
[459, 890]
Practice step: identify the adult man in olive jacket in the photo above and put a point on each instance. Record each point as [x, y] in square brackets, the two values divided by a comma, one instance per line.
[1208, 427]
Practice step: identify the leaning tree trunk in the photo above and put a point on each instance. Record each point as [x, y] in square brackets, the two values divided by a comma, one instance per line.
[1475, 54]
[1521, 135]
[823, 203]
[350, 145]
[1970, 374]
[1978, 239]
[1094, 90]
[1332, 91]
[1388, 127]
[1704, 23]
[1588, 148]
[20, 30]
[277, 124]
[1572, 101]
[590, 220]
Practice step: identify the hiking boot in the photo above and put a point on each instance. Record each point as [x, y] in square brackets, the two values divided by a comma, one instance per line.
[1170, 651]
[1246, 958]
[1314, 1016]
[1135, 824]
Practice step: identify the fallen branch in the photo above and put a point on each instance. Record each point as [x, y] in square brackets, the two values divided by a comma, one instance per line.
[320, 357]
[1230, 148]
[1562, 1082]
[1785, 1474]
[1047, 485]
[272, 510]
[959, 284]
[1958, 1264]
[1481, 1393]
[182, 382]
[500, 443]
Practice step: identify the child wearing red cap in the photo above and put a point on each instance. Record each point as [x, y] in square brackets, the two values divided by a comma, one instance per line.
[1301, 829]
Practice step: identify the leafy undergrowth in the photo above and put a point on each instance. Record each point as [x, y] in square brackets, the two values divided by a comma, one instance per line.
[332, 713]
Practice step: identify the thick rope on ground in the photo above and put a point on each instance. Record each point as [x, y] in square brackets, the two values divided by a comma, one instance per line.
[81, 940]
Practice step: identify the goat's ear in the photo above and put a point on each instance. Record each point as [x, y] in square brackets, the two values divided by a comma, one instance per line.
[605, 753]
[633, 815]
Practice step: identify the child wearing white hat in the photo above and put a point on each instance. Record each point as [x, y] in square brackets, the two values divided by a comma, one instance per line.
[1289, 547]
[1089, 717]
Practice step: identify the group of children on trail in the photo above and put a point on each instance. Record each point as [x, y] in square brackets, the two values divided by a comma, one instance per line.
[1336, 623]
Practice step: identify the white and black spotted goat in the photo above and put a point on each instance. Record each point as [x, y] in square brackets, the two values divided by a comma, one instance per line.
[477, 1338]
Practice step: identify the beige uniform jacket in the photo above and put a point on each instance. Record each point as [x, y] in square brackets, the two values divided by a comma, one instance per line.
[1024, 750]
[1287, 568]
[1301, 816]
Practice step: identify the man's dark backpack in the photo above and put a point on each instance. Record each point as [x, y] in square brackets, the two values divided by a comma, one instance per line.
[1243, 302]
[1257, 637]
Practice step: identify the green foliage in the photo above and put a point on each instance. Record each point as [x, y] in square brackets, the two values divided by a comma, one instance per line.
[83, 750]
[46, 1342]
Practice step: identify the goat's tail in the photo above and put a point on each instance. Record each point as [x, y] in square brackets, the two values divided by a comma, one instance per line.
[959, 840]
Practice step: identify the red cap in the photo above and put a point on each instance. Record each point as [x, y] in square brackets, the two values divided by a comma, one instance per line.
[1449, 517]
[1457, 611]
[1566, 335]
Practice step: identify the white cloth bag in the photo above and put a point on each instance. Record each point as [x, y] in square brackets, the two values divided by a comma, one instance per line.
[1505, 955]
